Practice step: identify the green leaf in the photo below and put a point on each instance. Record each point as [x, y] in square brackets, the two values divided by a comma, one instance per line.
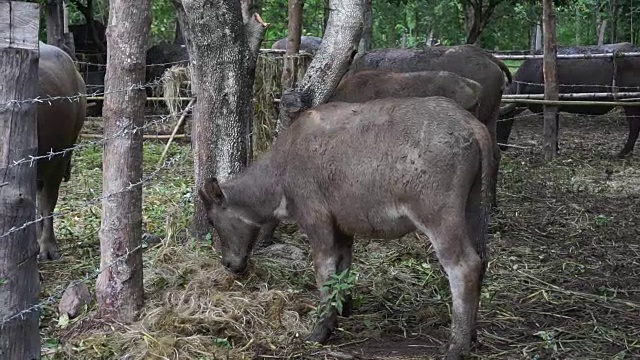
[63, 320]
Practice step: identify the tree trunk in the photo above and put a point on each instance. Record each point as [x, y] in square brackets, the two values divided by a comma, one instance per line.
[19, 280]
[293, 44]
[329, 64]
[550, 127]
[325, 18]
[223, 54]
[55, 23]
[601, 32]
[119, 289]
[367, 28]
[178, 38]
[614, 21]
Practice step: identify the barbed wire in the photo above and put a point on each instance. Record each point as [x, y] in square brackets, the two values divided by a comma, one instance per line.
[146, 65]
[90, 202]
[123, 132]
[166, 165]
[77, 97]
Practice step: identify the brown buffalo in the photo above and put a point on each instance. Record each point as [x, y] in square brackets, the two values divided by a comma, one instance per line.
[382, 168]
[469, 61]
[59, 123]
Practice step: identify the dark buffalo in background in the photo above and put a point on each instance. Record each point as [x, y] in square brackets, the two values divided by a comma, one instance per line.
[310, 44]
[378, 84]
[469, 61]
[59, 123]
[579, 76]
[382, 168]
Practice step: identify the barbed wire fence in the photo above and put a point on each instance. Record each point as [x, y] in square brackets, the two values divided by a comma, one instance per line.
[83, 205]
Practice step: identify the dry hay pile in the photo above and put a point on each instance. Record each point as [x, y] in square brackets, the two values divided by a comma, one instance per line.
[267, 88]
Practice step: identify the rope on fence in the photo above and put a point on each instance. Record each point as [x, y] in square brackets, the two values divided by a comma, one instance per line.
[51, 299]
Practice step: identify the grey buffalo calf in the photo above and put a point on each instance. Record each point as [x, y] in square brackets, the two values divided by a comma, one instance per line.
[59, 123]
[382, 168]
[369, 85]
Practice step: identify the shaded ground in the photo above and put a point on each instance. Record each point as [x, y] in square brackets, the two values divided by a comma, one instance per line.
[562, 283]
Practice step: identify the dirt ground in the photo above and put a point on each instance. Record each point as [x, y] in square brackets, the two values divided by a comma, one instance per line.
[562, 282]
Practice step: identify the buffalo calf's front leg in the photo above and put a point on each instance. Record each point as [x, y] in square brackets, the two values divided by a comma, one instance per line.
[331, 254]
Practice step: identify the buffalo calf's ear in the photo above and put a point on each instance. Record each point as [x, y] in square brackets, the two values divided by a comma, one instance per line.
[210, 193]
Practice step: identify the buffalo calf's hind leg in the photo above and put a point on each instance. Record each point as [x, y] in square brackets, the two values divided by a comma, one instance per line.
[463, 267]
[331, 254]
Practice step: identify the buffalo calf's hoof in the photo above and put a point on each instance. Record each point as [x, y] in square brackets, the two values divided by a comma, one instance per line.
[347, 306]
[456, 352]
[320, 333]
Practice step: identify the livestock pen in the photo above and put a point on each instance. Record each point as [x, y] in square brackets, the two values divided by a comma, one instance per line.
[561, 282]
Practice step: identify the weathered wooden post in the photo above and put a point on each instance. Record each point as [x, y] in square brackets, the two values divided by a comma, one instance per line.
[119, 289]
[19, 280]
[550, 129]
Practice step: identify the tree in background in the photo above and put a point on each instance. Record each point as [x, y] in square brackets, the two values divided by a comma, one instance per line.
[223, 38]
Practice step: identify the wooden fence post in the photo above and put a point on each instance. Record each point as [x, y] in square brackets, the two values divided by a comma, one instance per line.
[19, 279]
[550, 129]
[119, 288]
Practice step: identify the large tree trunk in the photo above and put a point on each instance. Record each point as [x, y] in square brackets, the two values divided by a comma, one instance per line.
[367, 28]
[19, 281]
[614, 20]
[92, 32]
[119, 287]
[329, 64]
[293, 44]
[477, 17]
[223, 39]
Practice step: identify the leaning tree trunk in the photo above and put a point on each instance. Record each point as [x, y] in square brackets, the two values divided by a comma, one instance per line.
[330, 63]
[223, 39]
[119, 287]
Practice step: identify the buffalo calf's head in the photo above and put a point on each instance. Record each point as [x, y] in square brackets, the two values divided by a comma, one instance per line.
[235, 228]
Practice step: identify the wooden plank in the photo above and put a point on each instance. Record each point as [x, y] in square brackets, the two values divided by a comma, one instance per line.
[550, 127]
[19, 279]
[18, 28]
